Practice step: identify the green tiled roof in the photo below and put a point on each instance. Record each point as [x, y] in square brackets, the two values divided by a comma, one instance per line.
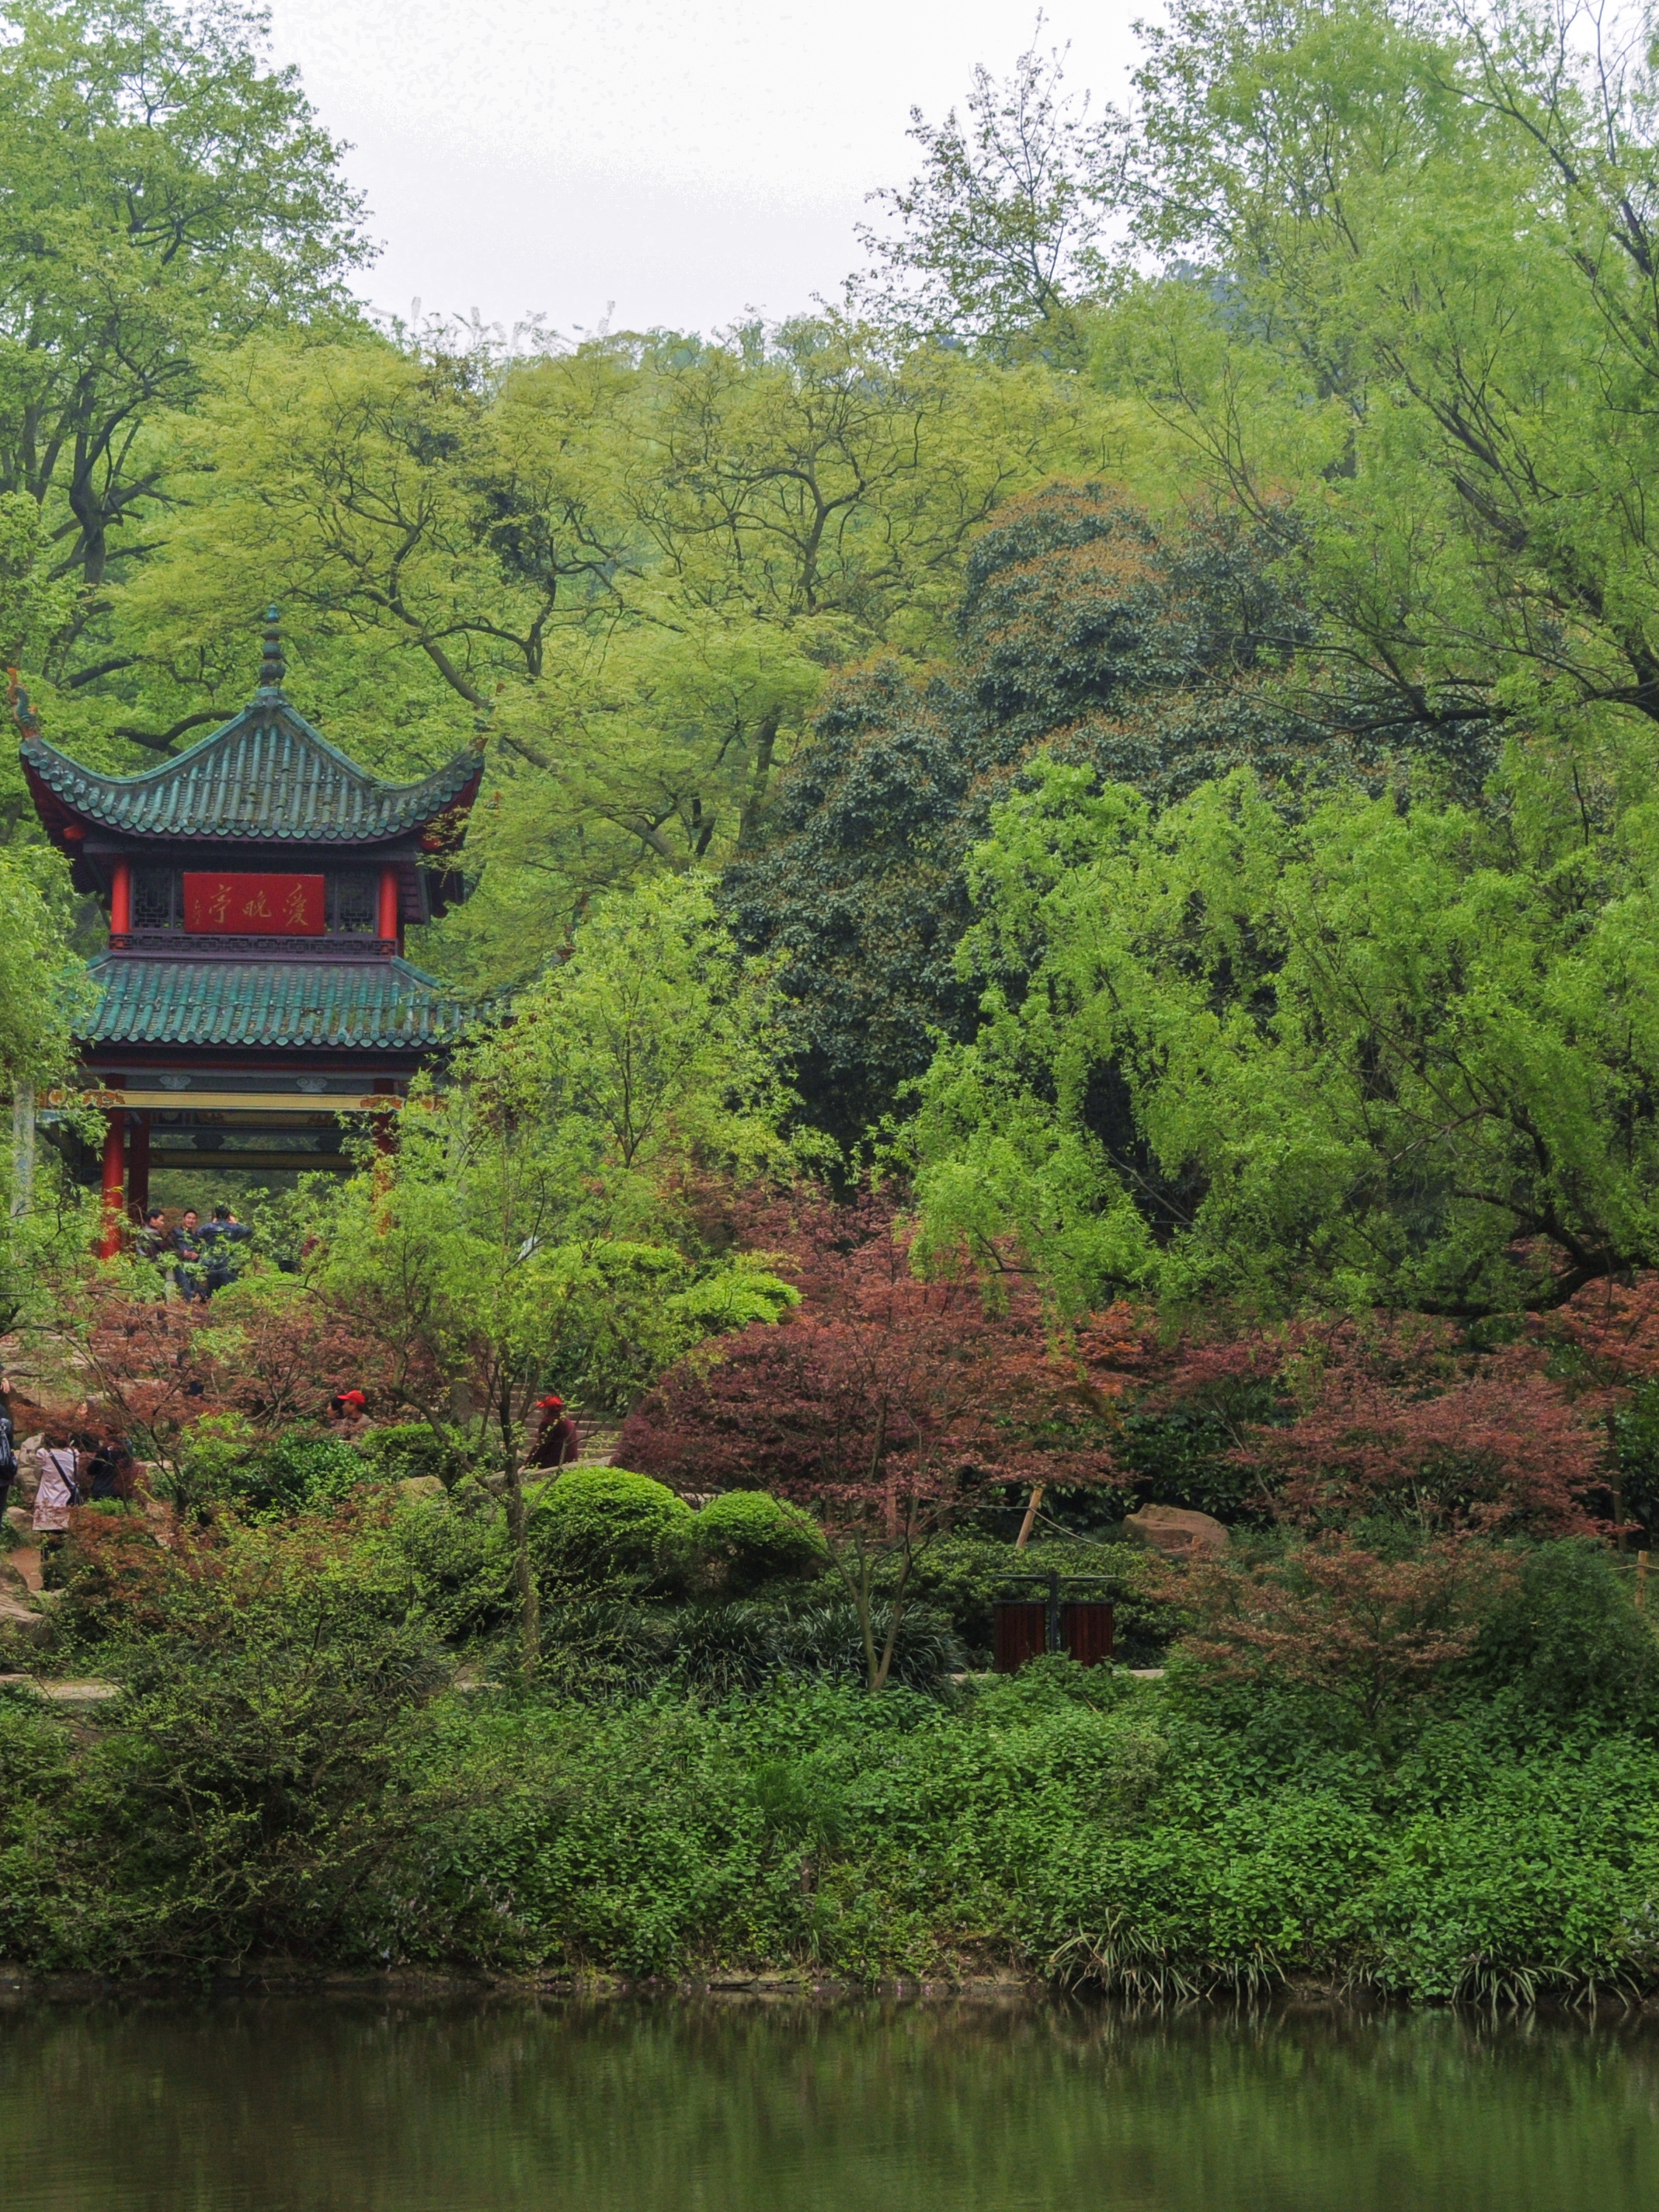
[264, 775]
[343, 1002]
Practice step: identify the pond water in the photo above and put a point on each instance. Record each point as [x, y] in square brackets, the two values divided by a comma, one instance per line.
[345, 2105]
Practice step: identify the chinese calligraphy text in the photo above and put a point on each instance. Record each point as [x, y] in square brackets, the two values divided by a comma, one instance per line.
[256, 906]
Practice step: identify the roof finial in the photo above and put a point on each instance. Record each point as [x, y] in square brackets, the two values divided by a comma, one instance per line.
[272, 666]
[18, 700]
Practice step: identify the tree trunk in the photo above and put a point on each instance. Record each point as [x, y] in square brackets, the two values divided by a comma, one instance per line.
[754, 801]
[524, 1579]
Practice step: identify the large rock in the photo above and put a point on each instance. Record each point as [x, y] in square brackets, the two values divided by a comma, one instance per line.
[21, 1522]
[21, 1624]
[1178, 1533]
[423, 1489]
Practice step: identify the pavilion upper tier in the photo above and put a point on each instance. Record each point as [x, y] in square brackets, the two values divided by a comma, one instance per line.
[259, 887]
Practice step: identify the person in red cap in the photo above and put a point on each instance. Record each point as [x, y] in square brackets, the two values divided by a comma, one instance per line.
[556, 1441]
[349, 1413]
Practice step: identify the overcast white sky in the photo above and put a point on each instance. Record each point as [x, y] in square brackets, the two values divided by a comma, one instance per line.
[686, 159]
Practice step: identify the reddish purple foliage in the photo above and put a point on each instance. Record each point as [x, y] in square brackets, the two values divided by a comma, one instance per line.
[887, 1404]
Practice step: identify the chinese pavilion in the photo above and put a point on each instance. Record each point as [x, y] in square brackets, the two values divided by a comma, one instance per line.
[255, 986]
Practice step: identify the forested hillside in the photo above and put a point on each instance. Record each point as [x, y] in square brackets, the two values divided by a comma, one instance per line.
[1064, 896]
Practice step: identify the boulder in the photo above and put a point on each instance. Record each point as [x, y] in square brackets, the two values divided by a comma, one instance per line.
[425, 1488]
[21, 1624]
[1178, 1533]
[21, 1522]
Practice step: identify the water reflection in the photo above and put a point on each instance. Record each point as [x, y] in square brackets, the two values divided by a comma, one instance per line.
[294, 2106]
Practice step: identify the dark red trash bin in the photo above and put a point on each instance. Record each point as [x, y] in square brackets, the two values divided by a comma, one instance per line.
[1085, 1630]
[1021, 1633]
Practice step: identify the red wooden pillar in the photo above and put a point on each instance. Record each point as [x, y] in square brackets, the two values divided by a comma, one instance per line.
[138, 1167]
[113, 1204]
[388, 921]
[120, 900]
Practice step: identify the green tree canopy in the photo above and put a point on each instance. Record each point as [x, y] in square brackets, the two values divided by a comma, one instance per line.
[1408, 294]
[528, 1233]
[1383, 1054]
[165, 194]
[1144, 650]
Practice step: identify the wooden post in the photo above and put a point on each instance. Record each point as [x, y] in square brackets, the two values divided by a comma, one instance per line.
[1027, 1524]
[120, 901]
[389, 903]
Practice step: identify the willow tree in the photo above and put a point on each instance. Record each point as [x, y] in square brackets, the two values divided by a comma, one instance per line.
[1380, 1055]
[1411, 299]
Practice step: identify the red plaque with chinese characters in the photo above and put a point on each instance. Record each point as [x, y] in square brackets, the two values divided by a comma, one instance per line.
[253, 906]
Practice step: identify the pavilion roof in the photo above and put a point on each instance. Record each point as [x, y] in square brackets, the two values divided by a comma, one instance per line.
[343, 1004]
[266, 777]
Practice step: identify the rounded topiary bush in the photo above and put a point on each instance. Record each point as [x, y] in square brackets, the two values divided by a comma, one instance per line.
[599, 1523]
[748, 1537]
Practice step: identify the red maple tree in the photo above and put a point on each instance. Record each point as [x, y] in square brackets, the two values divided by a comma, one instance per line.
[157, 1367]
[1400, 1418]
[888, 1405]
[1336, 1616]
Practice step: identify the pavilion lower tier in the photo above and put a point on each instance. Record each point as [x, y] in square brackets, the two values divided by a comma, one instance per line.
[296, 1118]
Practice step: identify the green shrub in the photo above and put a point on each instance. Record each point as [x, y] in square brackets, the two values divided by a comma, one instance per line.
[748, 1537]
[301, 1473]
[827, 1640]
[223, 1463]
[412, 1448]
[457, 1555]
[598, 1525]
[214, 1464]
[1568, 1646]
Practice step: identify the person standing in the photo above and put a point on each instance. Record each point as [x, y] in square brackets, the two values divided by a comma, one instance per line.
[219, 1242]
[8, 1445]
[557, 1442]
[60, 1490]
[107, 1467]
[187, 1255]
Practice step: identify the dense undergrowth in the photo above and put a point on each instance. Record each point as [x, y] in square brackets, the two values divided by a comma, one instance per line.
[294, 1770]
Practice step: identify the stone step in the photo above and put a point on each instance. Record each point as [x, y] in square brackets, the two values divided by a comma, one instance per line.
[24, 1564]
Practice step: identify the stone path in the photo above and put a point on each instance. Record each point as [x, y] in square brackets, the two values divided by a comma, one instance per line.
[65, 1693]
[26, 1562]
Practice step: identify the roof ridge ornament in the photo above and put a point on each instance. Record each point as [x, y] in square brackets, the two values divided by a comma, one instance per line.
[272, 666]
[22, 709]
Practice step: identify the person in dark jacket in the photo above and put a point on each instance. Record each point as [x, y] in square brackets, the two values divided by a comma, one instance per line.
[107, 1468]
[186, 1244]
[557, 1441]
[152, 1240]
[219, 1240]
[7, 1444]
